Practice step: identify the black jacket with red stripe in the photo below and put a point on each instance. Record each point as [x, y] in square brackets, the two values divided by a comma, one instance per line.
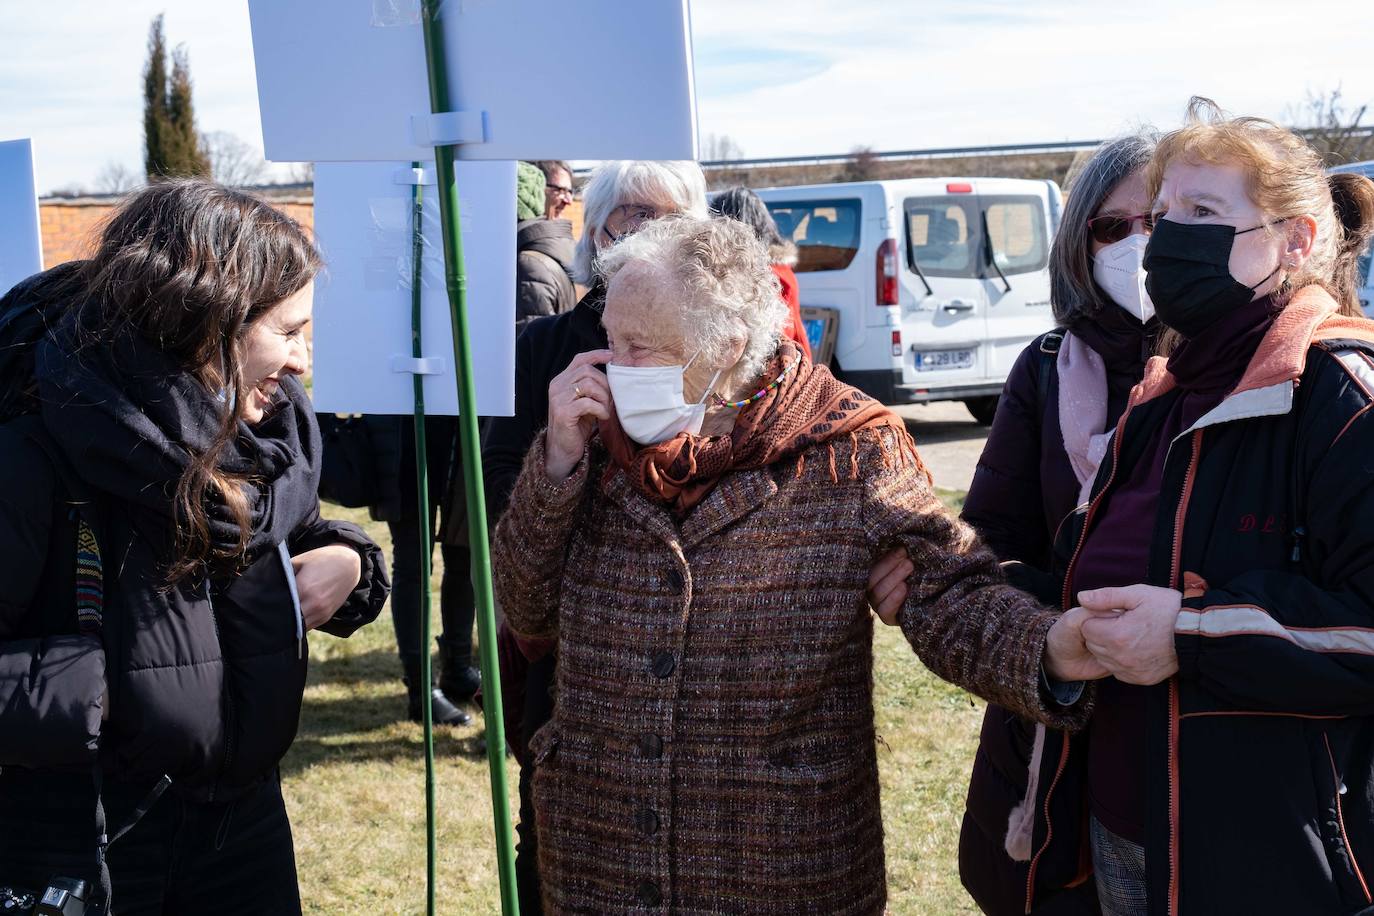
[1260, 783]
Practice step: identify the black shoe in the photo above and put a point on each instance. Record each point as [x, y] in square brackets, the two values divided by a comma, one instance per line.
[461, 685]
[444, 711]
[458, 679]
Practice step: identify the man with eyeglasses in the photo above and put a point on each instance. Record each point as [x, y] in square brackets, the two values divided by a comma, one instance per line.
[544, 251]
[558, 187]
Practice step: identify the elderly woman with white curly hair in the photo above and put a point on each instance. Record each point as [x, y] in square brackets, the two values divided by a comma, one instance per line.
[620, 197]
[696, 527]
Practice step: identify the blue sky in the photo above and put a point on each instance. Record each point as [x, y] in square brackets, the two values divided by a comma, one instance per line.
[779, 78]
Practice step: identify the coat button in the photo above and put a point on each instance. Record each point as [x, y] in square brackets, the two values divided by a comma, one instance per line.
[663, 664]
[650, 747]
[646, 821]
[675, 580]
[649, 894]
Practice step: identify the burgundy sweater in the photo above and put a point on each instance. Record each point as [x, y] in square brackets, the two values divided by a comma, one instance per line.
[1117, 550]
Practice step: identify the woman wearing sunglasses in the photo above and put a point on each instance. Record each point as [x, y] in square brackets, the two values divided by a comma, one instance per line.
[1061, 400]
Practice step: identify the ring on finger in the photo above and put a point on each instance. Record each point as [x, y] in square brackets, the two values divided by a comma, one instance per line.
[577, 392]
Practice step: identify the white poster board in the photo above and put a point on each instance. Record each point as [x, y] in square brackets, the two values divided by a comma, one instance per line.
[363, 214]
[340, 80]
[21, 240]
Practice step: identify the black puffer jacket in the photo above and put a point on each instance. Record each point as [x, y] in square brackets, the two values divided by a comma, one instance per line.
[205, 677]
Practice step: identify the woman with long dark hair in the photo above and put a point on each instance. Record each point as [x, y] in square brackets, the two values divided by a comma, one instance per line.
[167, 389]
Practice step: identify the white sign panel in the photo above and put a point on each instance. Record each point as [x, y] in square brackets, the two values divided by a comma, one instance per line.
[21, 244]
[362, 341]
[342, 80]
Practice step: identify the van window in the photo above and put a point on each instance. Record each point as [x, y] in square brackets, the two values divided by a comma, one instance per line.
[945, 235]
[942, 236]
[826, 232]
[1016, 227]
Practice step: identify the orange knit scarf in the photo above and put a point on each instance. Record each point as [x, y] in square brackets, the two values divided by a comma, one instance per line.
[809, 408]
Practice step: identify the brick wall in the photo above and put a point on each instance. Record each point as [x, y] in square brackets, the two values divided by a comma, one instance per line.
[70, 227]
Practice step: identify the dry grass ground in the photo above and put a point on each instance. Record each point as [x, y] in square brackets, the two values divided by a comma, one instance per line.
[354, 784]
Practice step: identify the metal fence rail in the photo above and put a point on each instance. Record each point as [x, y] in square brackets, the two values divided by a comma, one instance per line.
[946, 152]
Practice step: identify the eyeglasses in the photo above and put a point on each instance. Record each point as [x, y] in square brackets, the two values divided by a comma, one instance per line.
[627, 218]
[1113, 228]
[560, 190]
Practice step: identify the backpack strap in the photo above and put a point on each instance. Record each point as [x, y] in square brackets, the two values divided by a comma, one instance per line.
[1049, 354]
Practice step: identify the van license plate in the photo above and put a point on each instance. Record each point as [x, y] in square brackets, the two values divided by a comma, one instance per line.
[936, 360]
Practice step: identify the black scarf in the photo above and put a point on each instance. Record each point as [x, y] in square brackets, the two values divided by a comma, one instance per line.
[128, 420]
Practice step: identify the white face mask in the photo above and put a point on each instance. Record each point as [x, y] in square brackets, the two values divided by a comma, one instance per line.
[650, 405]
[1119, 270]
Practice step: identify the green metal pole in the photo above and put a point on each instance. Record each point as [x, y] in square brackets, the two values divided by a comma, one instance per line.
[417, 242]
[456, 284]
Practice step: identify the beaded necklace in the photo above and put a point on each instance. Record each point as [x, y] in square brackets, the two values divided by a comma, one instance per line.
[720, 401]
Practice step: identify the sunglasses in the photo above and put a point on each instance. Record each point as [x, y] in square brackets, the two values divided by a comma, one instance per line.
[1109, 229]
[559, 190]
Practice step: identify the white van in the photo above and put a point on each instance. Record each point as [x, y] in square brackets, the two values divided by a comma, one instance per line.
[939, 283]
[1366, 281]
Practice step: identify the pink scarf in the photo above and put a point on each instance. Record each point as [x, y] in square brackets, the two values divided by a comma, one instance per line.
[1082, 409]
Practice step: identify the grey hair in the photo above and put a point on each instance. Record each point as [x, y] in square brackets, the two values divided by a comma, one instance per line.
[730, 290]
[744, 205]
[1073, 291]
[670, 186]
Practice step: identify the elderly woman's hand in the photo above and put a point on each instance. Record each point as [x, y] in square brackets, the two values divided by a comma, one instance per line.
[1131, 631]
[578, 397]
[1067, 656]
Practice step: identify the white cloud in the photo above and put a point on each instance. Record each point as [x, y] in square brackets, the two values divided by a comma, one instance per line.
[780, 77]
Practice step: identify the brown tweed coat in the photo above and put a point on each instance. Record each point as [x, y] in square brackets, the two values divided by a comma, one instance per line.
[712, 749]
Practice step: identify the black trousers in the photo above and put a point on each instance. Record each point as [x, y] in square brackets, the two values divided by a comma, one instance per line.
[183, 856]
[457, 606]
[207, 858]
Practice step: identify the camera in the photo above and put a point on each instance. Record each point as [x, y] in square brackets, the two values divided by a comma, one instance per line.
[62, 897]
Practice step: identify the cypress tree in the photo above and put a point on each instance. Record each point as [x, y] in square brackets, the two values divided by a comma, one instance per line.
[171, 144]
[180, 112]
[156, 130]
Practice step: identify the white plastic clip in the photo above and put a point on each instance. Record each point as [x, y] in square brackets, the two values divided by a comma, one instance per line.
[410, 176]
[425, 365]
[448, 128]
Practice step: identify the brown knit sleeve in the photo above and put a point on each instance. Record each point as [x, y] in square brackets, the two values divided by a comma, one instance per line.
[964, 621]
[531, 542]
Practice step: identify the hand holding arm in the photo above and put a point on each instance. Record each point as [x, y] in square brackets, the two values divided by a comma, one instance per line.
[887, 589]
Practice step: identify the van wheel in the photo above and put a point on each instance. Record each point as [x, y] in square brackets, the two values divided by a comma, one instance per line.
[983, 409]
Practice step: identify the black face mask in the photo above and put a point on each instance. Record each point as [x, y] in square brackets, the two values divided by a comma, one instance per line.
[1188, 274]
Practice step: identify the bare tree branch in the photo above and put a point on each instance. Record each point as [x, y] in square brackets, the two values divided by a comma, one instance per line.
[863, 166]
[720, 147]
[232, 161]
[1337, 133]
[117, 178]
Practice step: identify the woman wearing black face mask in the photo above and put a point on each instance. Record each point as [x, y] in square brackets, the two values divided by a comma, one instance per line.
[1226, 549]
